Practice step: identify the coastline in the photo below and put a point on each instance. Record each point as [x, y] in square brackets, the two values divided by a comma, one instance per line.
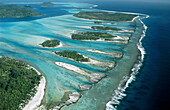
[60, 45]
[91, 61]
[119, 94]
[83, 86]
[52, 47]
[120, 86]
[134, 18]
[35, 101]
[114, 54]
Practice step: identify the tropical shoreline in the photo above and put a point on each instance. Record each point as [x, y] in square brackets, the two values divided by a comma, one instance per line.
[95, 62]
[35, 101]
[119, 91]
[119, 94]
[60, 45]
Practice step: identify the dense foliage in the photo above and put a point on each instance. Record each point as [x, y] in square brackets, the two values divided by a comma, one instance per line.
[105, 28]
[97, 22]
[107, 16]
[73, 55]
[51, 43]
[17, 11]
[17, 83]
[91, 36]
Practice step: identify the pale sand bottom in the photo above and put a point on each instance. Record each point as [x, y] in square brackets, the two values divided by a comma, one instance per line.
[94, 77]
[87, 27]
[75, 96]
[121, 38]
[114, 54]
[100, 63]
[120, 42]
[111, 40]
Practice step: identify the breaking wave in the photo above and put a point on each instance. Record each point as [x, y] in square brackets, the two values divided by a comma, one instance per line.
[119, 93]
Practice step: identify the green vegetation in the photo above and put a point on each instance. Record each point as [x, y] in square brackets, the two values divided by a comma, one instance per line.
[91, 36]
[51, 43]
[17, 11]
[108, 39]
[112, 23]
[105, 28]
[73, 55]
[47, 4]
[97, 22]
[107, 16]
[17, 83]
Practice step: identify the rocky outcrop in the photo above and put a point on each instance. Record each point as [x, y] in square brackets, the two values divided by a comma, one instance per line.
[85, 87]
[73, 97]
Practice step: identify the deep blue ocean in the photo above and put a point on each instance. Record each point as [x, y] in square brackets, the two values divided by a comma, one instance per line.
[151, 89]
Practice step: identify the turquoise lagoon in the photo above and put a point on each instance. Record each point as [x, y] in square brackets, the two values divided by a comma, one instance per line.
[20, 39]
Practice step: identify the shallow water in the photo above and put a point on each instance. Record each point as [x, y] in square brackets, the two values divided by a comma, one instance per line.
[19, 39]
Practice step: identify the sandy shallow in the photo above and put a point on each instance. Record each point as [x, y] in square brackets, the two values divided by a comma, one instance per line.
[114, 54]
[100, 63]
[93, 77]
[75, 96]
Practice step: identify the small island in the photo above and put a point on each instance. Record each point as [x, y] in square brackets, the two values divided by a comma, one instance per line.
[112, 23]
[105, 28]
[51, 43]
[16, 11]
[47, 4]
[106, 16]
[73, 55]
[91, 36]
[17, 84]
[97, 22]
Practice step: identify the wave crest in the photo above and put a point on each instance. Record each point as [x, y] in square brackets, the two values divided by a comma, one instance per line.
[119, 94]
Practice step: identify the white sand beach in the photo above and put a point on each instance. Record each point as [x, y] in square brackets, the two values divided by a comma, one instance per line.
[36, 100]
[94, 77]
[114, 54]
[134, 18]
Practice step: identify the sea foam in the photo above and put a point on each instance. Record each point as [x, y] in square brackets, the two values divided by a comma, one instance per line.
[119, 94]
